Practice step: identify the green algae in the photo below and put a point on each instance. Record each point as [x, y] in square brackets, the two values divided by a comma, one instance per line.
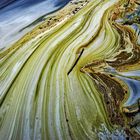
[44, 94]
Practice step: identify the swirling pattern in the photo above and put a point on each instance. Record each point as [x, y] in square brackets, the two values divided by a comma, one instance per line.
[74, 76]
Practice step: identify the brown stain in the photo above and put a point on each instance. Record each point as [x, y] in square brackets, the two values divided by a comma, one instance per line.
[111, 89]
[113, 95]
[124, 58]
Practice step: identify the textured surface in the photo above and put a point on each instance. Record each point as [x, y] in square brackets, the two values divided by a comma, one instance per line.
[17, 17]
[74, 76]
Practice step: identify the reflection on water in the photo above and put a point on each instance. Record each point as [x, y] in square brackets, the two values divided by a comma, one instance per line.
[67, 79]
[19, 14]
[130, 79]
[134, 88]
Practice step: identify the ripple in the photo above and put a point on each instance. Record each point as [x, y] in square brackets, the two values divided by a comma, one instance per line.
[73, 76]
